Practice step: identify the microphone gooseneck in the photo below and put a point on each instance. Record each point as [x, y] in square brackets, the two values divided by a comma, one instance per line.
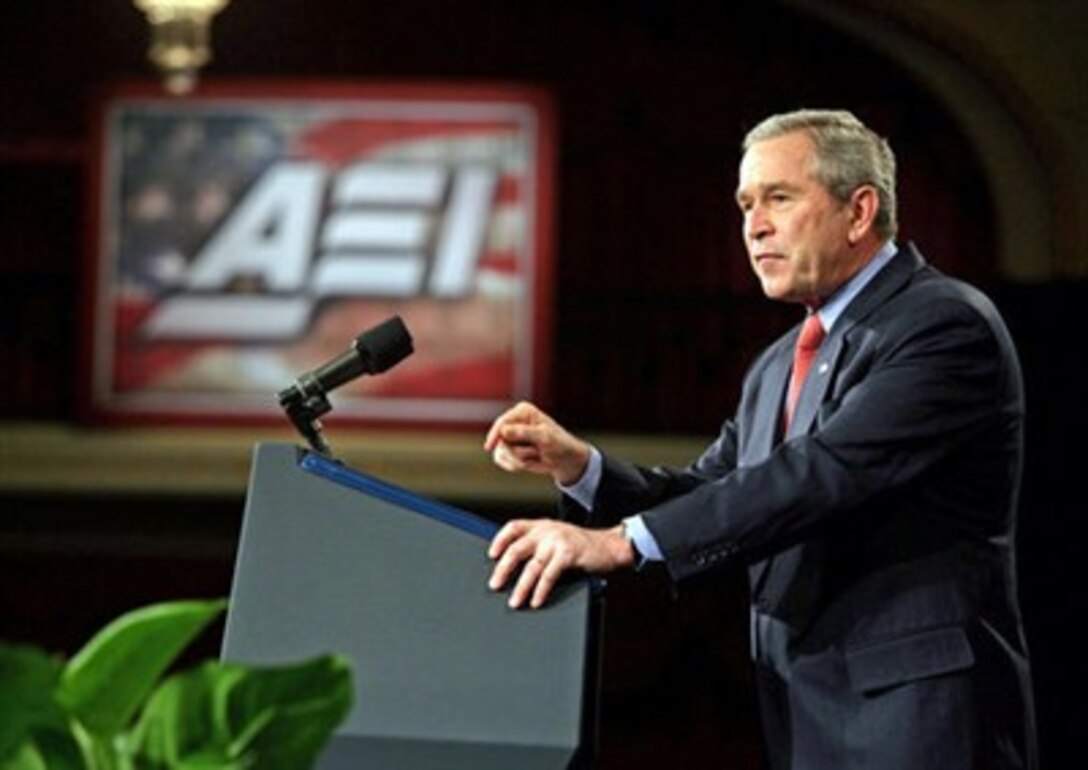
[372, 352]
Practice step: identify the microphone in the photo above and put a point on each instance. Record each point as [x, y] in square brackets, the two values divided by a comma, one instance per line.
[373, 352]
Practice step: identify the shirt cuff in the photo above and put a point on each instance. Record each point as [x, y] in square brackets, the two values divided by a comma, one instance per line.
[585, 489]
[583, 492]
[644, 542]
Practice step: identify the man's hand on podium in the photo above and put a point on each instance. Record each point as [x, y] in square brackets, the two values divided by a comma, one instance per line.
[545, 549]
[526, 439]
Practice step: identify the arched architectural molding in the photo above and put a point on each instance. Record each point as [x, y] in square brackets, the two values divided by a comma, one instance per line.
[1022, 140]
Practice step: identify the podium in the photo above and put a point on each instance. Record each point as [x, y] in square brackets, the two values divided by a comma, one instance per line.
[447, 677]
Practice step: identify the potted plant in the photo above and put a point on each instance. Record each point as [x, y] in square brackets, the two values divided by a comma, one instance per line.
[112, 706]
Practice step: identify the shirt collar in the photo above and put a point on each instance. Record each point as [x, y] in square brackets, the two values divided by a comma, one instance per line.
[830, 311]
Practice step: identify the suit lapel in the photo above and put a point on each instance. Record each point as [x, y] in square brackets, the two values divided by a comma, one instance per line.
[768, 416]
[816, 384]
[887, 282]
[884, 284]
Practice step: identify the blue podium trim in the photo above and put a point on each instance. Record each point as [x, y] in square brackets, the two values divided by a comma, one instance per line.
[447, 514]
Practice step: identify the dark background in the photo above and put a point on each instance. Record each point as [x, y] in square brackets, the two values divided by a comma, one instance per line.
[655, 312]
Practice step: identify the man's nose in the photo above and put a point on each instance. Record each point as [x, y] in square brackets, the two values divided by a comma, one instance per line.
[756, 224]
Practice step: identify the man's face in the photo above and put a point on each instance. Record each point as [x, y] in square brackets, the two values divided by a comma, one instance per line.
[796, 233]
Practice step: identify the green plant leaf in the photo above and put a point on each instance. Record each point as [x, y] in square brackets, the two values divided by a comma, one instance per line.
[25, 757]
[299, 707]
[184, 717]
[28, 681]
[106, 682]
[229, 716]
[52, 748]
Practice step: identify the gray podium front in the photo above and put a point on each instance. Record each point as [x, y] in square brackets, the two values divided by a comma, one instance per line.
[447, 677]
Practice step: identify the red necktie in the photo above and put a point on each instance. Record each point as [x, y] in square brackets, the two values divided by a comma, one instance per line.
[808, 342]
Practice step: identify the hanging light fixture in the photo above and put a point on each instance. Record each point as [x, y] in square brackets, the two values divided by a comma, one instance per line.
[180, 38]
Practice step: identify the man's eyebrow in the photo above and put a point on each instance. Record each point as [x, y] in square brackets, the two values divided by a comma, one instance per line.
[763, 189]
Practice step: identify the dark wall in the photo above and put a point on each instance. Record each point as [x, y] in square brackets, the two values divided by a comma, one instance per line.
[654, 300]
[653, 102]
[1045, 320]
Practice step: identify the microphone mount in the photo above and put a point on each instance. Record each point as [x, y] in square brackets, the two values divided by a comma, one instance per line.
[303, 408]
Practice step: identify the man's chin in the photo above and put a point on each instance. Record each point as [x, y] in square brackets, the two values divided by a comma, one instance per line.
[777, 291]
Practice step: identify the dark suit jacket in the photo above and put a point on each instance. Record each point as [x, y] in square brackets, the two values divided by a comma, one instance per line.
[878, 533]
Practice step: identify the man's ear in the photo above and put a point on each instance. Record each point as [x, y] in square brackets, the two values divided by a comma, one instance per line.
[864, 204]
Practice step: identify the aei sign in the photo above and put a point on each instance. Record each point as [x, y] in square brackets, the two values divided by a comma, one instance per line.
[247, 234]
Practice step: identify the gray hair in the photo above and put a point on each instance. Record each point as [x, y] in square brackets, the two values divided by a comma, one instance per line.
[848, 155]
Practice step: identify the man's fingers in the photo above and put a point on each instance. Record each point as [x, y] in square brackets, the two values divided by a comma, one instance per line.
[527, 580]
[511, 546]
[542, 549]
[511, 531]
[522, 434]
[492, 437]
[522, 412]
[549, 576]
[494, 433]
[506, 566]
[505, 458]
[515, 458]
[516, 546]
[499, 576]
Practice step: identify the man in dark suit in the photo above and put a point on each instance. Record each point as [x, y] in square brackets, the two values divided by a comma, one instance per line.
[873, 499]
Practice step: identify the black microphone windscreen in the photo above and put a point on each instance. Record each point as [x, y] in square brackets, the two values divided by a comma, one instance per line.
[384, 346]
